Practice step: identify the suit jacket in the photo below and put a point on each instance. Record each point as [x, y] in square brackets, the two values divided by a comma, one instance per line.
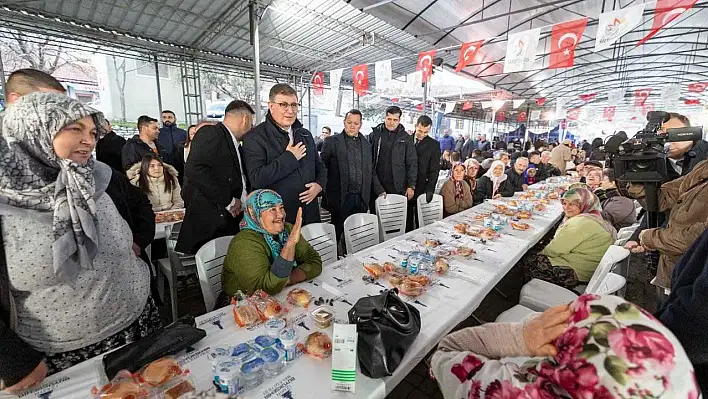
[109, 150]
[514, 183]
[428, 152]
[403, 157]
[212, 179]
[336, 161]
[271, 166]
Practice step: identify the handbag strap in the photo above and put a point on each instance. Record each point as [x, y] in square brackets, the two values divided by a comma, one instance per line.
[391, 295]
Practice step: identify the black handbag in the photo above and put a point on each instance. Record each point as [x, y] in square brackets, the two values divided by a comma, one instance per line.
[386, 327]
[164, 342]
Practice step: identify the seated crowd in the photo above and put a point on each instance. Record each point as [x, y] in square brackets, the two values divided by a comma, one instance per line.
[74, 230]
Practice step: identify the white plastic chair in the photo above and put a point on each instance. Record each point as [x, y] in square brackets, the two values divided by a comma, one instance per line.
[361, 231]
[429, 213]
[210, 262]
[515, 314]
[540, 295]
[624, 234]
[175, 265]
[323, 238]
[392, 212]
[439, 184]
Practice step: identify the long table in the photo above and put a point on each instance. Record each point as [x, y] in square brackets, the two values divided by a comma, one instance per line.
[450, 299]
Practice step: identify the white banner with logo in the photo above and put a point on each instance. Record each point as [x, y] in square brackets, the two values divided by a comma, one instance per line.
[449, 107]
[616, 96]
[382, 74]
[613, 25]
[670, 94]
[521, 50]
[535, 114]
[335, 78]
[560, 107]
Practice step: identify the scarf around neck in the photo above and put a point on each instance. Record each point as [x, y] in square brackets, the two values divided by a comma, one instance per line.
[256, 203]
[33, 177]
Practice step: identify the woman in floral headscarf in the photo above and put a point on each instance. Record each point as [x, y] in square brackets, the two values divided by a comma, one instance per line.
[456, 193]
[599, 348]
[71, 284]
[578, 245]
[268, 254]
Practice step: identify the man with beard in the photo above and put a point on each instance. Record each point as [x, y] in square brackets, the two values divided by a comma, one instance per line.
[395, 159]
[428, 153]
[170, 136]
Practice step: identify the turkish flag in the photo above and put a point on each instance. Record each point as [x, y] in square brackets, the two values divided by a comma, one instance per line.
[573, 114]
[500, 117]
[395, 100]
[521, 117]
[587, 97]
[564, 39]
[609, 113]
[697, 87]
[640, 97]
[693, 101]
[540, 101]
[467, 105]
[425, 64]
[318, 83]
[360, 76]
[467, 54]
[419, 107]
[665, 12]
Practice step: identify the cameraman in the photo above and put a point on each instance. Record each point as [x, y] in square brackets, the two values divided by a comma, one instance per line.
[684, 199]
[683, 156]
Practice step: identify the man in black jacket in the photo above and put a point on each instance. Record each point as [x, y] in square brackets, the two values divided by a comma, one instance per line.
[280, 155]
[428, 153]
[395, 158]
[171, 136]
[350, 177]
[215, 183]
[109, 149]
[515, 177]
[546, 169]
[142, 143]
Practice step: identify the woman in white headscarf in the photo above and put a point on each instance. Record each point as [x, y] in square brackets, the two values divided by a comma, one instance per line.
[71, 283]
[492, 184]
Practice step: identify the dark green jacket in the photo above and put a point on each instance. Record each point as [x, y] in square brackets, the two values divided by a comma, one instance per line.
[249, 264]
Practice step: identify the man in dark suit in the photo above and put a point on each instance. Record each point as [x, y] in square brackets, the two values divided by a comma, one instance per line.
[281, 155]
[109, 149]
[215, 181]
[395, 160]
[350, 177]
[428, 152]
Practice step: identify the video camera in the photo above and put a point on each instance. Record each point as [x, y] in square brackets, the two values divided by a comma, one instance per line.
[642, 159]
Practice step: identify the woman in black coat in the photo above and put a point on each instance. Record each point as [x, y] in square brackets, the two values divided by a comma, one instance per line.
[492, 184]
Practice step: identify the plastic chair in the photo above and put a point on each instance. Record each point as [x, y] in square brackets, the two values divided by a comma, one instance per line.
[515, 314]
[540, 295]
[429, 213]
[323, 238]
[210, 262]
[175, 265]
[361, 231]
[392, 212]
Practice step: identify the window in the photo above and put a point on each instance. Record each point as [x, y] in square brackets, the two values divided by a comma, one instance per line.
[459, 124]
[147, 68]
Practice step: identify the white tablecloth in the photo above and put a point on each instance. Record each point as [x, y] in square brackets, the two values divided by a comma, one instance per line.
[450, 299]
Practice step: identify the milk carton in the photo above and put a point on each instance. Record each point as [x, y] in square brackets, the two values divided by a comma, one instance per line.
[344, 357]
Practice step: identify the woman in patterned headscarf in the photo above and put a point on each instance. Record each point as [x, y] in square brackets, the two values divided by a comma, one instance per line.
[71, 284]
[598, 347]
[268, 254]
[578, 245]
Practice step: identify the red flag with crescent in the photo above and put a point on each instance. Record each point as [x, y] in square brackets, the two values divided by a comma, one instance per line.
[587, 97]
[467, 105]
[697, 87]
[666, 11]
[360, 76]
[425, 64]
[419, 107]
[318, 83]
[500, 117]
[573, 114]
[693, 101]
[640, 97]
[564, 40]
[467, 54]
[521, 117]
[609, 113]
[540, 101]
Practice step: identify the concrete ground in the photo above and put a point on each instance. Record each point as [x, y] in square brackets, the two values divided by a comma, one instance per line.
[417, 384]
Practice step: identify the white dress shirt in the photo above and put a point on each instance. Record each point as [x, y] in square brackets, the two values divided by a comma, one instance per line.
[243, 178]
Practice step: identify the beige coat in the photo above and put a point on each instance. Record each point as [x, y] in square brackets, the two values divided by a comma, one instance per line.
[450, 204]
[560, 155]
[160, 199]
[686, 198]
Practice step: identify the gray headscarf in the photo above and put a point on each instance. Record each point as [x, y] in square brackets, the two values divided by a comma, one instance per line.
[33, 177]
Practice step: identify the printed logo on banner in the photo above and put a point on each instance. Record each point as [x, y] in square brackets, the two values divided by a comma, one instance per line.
[670, 94]
[615, 24]
[616, 96]
[281, 389]
[383, 74]
[536, 115]
[521, 50]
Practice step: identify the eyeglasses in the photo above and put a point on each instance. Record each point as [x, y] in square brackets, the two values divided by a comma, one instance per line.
[285, 106]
